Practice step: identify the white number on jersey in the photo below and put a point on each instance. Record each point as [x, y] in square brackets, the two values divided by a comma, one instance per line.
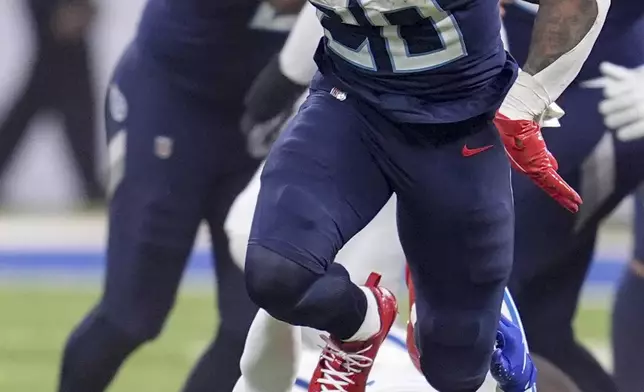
[402, 61]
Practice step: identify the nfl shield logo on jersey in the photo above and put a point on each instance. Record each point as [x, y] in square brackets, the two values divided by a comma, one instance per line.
[338, 94]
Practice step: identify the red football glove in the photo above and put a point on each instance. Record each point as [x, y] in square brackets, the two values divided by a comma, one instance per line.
[528, 154]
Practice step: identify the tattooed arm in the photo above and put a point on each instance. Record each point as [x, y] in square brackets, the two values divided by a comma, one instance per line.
[562, 38]
[559, 27]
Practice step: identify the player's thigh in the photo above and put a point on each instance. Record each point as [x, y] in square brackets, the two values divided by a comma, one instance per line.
[320, 184]
[456, 227]
[157, 191]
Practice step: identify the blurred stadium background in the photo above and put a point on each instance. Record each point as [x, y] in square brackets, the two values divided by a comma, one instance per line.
[51, 249]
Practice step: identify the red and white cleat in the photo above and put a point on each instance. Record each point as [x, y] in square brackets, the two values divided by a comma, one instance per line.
[345, 366]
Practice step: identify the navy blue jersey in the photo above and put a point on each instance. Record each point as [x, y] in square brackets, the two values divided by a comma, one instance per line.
[621, 40]
[213, 46]
[419, 61]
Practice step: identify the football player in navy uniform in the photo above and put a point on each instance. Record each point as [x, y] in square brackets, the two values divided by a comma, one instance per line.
[417, 98]
[177, 158]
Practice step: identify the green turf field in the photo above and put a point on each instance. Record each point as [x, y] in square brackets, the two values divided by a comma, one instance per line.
[35, 321]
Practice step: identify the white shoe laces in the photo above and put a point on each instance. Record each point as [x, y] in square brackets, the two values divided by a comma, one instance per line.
[335, 380]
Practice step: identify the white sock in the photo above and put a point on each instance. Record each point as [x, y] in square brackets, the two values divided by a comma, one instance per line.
[371, 324]
[271, 357]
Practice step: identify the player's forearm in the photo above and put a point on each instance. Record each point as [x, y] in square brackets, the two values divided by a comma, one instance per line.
[560, 26]
[563, 36]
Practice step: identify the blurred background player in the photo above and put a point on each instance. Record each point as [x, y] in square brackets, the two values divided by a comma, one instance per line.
[600, 155]
[177, 157]
[60, 81]
[323, 182]
[628, 315]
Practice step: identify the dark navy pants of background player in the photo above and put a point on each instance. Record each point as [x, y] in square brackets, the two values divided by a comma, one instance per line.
[628, 314]
[328, 175]
[553, 248]
[184, 162]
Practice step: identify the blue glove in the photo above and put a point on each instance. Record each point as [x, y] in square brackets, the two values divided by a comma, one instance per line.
[511, 364]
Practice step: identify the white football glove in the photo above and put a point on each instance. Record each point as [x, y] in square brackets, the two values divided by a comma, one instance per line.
[623, 104]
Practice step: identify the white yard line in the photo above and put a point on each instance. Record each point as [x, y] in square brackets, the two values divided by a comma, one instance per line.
[69, 232]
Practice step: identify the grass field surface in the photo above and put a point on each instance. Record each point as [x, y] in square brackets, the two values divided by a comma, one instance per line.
[37, 319]
[50, 276]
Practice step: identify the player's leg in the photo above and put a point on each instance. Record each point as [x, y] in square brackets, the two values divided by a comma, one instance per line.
[455, 221]
[553, 248]
[546, 281]
[271, 356]
[628, 313]
[14, 126]
[268, 363]
[605, 177]
[320, 186]
[548, 304]
[218, 368]
[154, 215]
[510, 358]
[628, 316]
[551, 378]
[75, 100]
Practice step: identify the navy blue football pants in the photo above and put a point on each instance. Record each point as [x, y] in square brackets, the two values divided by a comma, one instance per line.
[331, 171]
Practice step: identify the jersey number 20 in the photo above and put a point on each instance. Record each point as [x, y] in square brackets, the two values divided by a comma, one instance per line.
[386, 16]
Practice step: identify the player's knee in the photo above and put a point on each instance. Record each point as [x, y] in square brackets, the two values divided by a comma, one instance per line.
[274, 282]
[140, 327]
[455, 350]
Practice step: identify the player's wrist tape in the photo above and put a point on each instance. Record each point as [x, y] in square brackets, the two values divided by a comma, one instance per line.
[271, 93]
[529, 100]
[526, 100]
